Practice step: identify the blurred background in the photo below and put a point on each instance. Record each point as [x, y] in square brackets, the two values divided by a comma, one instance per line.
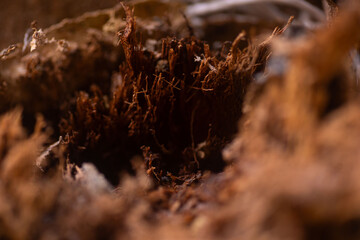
[17, 15]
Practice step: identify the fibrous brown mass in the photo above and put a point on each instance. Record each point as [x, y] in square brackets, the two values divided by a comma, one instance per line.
[183, 120]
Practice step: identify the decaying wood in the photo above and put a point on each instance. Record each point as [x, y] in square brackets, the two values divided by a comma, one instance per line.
[166, 130]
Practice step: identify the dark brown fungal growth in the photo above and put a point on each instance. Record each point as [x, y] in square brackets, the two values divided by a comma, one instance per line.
[178, 101]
